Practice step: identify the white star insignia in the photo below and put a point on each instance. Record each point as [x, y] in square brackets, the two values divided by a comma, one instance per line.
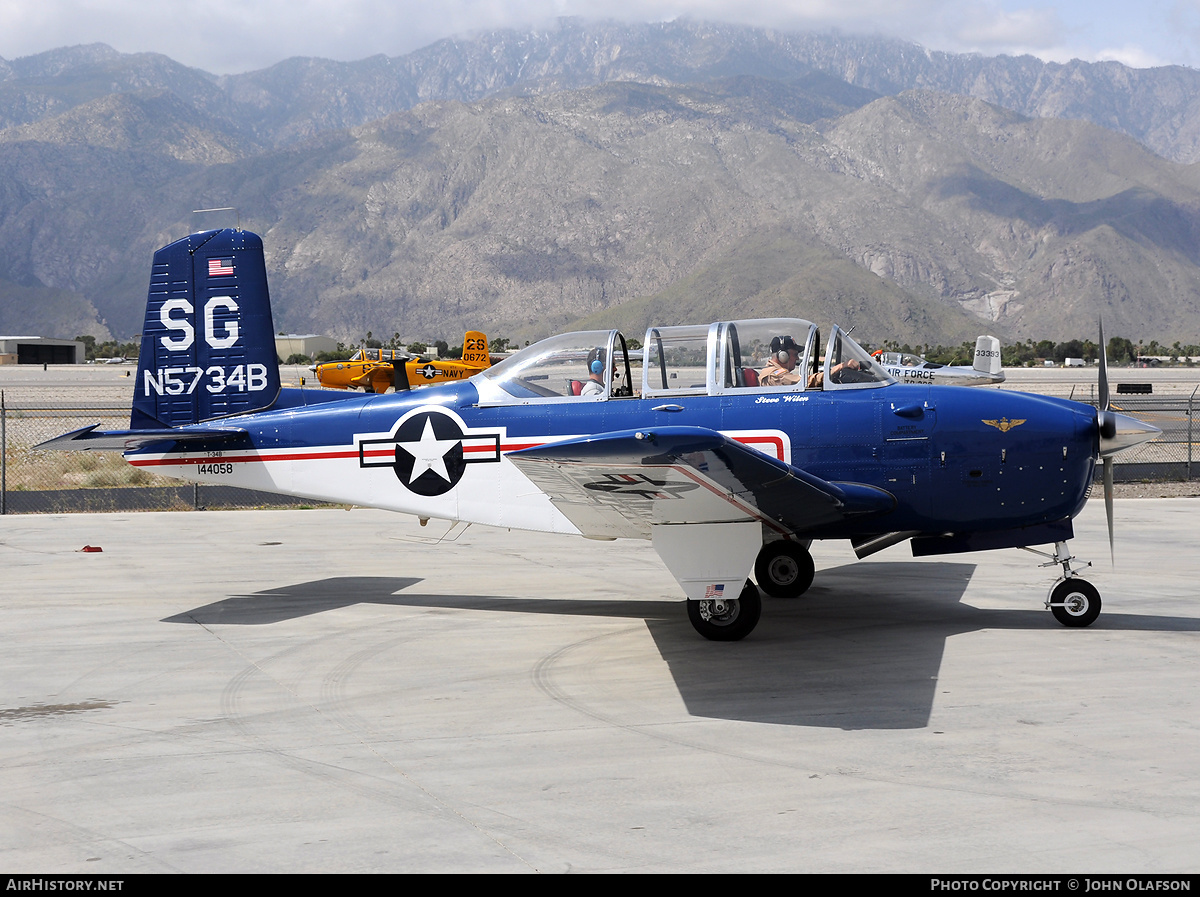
[429, 453]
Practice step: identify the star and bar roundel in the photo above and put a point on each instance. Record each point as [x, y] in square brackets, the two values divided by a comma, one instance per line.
[429, 450]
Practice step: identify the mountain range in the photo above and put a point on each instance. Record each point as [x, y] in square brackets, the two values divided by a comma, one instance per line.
[600, 174]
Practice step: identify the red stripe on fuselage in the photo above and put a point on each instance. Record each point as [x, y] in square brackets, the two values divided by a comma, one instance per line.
[338, 454]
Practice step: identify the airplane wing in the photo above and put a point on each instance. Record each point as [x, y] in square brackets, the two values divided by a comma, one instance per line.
[623, 483]
[87, 439]
[702, 498]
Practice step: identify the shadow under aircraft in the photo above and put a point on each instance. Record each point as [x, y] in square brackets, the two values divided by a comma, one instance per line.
[862, 650]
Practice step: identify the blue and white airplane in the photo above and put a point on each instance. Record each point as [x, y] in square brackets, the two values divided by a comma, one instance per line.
[679, 444]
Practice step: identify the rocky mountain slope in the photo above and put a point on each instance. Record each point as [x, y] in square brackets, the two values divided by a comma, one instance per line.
[616, 174]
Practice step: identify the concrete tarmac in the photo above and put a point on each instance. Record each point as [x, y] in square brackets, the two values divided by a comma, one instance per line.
[321, 691]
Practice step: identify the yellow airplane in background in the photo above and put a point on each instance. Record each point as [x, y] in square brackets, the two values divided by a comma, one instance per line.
[374, 370]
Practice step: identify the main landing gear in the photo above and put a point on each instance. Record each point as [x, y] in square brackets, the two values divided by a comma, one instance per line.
[727, 619]
[784, 569]
[1074, 602]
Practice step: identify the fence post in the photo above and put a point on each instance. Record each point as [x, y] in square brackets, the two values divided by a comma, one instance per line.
[1190, 408]
[3, 456]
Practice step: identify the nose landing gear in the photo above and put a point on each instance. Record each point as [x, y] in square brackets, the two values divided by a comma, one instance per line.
[1074, 602]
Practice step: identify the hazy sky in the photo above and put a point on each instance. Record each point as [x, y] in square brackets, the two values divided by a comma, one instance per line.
[227, 36]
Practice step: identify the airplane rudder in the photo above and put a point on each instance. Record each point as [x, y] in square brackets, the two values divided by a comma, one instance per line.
[475, 349]
[208, 341]
[167, 340]
[987, 355]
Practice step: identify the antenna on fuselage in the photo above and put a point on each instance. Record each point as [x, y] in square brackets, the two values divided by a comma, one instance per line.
[213, 224]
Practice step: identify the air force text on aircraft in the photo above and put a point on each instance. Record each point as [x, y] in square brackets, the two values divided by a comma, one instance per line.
[175, 381]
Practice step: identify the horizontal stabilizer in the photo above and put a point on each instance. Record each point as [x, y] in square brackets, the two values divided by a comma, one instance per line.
[89, 440]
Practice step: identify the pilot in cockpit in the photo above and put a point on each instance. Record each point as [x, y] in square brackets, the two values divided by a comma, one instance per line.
[781, 370]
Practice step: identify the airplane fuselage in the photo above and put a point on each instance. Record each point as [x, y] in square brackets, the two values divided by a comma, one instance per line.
[951, 456]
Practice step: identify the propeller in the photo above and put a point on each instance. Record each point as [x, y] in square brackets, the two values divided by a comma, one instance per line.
[1108, 429]
[1118, 432]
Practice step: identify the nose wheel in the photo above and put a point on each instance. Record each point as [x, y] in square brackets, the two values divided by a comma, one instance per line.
[1074, 602]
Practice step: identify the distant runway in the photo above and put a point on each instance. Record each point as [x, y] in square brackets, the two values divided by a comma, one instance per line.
[296, 691]
[114, 383]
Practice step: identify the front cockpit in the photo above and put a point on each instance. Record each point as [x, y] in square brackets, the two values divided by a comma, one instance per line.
[769, 354]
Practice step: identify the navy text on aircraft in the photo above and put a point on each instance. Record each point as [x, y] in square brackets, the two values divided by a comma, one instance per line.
[678, 444]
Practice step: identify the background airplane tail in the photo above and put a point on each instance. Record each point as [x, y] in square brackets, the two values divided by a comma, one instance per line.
[208, 342]
[987, 355]
[475, 350]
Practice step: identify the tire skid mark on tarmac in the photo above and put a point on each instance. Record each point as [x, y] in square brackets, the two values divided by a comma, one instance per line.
[95, 839]
[544, 676]
[366, 784]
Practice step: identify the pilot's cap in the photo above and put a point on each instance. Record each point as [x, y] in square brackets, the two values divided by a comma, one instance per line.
[784, 344]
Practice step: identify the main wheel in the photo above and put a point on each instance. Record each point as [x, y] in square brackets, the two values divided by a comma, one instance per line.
[784, 569]
[1075, 602]
[727, 619]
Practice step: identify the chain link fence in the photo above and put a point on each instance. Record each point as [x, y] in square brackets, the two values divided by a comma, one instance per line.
[1170, 456]
[59, 482]
[40, 482]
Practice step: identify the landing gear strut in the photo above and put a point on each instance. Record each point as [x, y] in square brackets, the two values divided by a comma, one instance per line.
[1074, 602]
[784, 569]
[727, 619]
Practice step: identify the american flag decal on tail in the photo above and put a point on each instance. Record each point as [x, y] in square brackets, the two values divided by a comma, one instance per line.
[220, 267]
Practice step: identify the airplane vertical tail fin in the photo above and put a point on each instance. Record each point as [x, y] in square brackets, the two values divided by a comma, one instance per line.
[987, 355]
[208, 342]
[475, 350]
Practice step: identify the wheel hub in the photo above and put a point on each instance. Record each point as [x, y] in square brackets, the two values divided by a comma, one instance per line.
[1075, 603]
[718, 611]
[784, 570]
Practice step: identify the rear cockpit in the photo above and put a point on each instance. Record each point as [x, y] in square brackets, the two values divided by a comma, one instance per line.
[770, 354]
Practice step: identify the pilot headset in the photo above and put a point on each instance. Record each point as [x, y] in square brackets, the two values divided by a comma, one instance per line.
[782, 347]
[597, 366]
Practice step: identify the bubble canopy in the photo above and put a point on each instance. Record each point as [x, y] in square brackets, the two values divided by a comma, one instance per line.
[696, 359]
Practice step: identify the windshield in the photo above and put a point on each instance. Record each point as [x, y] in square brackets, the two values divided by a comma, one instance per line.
[566, 366]
[849, 365]
[904, 360]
